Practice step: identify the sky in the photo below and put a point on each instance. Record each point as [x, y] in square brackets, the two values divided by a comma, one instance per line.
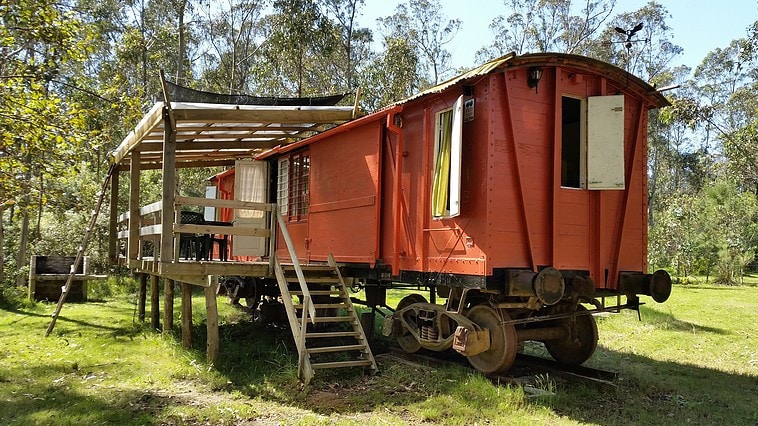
[699, 26]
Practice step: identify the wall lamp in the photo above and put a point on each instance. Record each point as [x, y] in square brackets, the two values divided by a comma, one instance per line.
[533, 76]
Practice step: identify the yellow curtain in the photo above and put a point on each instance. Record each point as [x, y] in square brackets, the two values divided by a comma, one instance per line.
[442, 165]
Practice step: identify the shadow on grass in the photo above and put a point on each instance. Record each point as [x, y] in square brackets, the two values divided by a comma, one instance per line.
[659, 392]
[261, 362]
[667, 320]
[61, 405]
[61, 318]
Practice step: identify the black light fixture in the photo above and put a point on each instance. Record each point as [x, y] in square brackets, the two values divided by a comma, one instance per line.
[533, 76]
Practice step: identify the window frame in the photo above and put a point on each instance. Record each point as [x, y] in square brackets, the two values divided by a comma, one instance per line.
[447, 183]
[582, 142]
[296, 187]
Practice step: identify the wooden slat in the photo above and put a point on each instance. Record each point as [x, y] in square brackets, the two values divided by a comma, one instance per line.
[329, 349]
[335, 292]
[330, 319]
[150, 230]
[58, 277]
[224, 230]
[342, 364]
[151, 208]
[325, 306]
[315, 280]
[309, 268]
[330, 334]
[230, 204]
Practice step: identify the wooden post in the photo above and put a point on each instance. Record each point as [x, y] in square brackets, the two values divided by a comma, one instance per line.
[85, 282]
[112, 240]
[32, 276]
[134, 219]
[155, 310]
[169, 185]
[211, 320]
[168, 306]
[186, 316]
[142, 297]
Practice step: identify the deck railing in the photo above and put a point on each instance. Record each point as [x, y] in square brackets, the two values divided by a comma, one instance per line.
[150, 220]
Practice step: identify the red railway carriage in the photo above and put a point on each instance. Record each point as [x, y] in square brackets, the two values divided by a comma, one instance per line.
[516, 191]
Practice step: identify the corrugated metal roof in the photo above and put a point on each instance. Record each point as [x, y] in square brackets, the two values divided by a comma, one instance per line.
[481, 70]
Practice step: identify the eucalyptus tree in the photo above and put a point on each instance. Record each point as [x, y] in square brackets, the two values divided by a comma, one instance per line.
[40, 130]
[639, 42]
[547, 26]
[391, 75]
[233, 38]
[299, 39]
[354, 50]
[728, 105]
[421, 24]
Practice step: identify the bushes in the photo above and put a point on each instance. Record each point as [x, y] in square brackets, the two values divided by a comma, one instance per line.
[12, 297]
[714, 232]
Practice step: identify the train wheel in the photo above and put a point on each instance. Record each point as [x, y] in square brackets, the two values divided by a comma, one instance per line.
[579, 348]
[408, 341]
[503, 342]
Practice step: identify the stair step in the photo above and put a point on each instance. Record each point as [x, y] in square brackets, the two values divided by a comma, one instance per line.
[325, 306]
[326, 349]
[328, 334]
[289, 268]
[335, 292]
[315, 280]
[341, 364]
[329, 319]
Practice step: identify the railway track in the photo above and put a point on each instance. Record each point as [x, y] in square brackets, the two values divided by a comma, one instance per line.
[526, 371]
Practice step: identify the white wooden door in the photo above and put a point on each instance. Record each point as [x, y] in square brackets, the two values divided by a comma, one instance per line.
[250, 184]
[605, 142]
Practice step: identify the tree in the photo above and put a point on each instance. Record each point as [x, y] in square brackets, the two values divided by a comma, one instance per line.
[422, 25]
[546, 25]
[391, 76]
[727, 105]
[298, 38]
[355, 42]
[235, 37]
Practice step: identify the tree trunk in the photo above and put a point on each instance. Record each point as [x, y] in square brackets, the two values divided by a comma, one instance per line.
[181, 6]
[22, 243]
[2, 244]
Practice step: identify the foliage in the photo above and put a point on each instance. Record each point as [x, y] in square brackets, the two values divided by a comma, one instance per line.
[546, 26]
[713, 231]
[421, 25]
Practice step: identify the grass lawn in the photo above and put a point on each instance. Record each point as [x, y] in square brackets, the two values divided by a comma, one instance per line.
[692, 360]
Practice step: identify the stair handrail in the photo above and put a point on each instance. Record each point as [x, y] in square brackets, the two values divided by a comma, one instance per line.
[296, 265]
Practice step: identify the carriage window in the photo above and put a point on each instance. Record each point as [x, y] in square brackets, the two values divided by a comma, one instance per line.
[572, 152]
[299, 185]
[293, 185]
[282, 185]
[446, 187]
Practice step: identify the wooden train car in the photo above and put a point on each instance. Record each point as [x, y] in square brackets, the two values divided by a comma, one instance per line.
[516, 191]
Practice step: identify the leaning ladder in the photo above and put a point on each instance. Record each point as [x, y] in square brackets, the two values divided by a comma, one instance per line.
[80, 251]
[324, 283]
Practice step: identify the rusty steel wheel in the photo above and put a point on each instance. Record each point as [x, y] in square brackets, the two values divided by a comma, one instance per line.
[503, 342]
[580, 344]
[408, 341]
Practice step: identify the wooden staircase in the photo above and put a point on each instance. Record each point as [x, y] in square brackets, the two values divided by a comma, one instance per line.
[322, 317]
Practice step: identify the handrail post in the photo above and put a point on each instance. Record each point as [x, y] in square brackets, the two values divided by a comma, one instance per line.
[295, 263]
[301, 346]
[272, 238]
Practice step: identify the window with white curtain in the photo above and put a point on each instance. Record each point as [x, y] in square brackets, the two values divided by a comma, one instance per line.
[448, 146]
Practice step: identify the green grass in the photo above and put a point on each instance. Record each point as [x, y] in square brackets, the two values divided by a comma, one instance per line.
[692, 360]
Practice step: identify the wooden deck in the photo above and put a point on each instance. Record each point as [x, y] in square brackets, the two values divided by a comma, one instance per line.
[197, 272]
